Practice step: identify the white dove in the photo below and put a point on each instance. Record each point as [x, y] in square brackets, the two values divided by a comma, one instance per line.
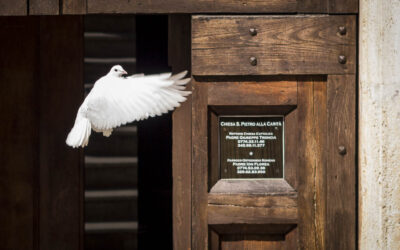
[115, 100]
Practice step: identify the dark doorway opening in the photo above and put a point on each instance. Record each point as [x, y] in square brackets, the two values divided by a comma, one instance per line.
[155, 142]
[128, 177]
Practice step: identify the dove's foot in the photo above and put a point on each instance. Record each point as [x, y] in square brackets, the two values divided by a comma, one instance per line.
[107, 133]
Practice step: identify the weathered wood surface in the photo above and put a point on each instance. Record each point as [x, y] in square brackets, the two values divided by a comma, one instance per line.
[312, 6]
[252, 93]
[228, 214]
[44, 7]
[79, 7]
[306, 164]
[74, 7]
[257, 241]
[253, 200]
[223, 45]
[291, 160]
[222, 6]
[341, 187]
[13, 8]
[248, 186]
[342, 6]
[61, 167]
[191, 6]
[19, 133]
[320, 137]
[214, 170]
[41, 188]
[179, 48]
[199, 165]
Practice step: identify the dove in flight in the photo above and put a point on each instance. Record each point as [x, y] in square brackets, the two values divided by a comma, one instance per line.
[116, 100]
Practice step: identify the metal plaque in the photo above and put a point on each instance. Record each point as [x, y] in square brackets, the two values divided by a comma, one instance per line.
[251, 146]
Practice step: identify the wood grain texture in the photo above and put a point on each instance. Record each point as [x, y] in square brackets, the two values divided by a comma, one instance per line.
[222, 45]
[343, 6]
[61, 168]
[214, 173]
[291, 169]
[13, 8]
[253, 200]
[199, 166]
[214, 240]
[191, 6]
[44, 7]
[79, 7]
[239, 242]
[252, 110]
[312, 6]
[320, 135]
[256, 186]
[252, 93]
[306, 165]
[228, 214]
[341, 169]
[19, 133]
[259, 241]
[73, 7]
[179, 59]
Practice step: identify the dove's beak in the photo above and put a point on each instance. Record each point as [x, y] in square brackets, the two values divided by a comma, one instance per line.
[124, 72]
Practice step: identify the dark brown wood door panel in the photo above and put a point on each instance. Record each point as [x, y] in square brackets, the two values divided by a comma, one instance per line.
[225, 45]
[316, 197]
[314, 205]
[79, 7]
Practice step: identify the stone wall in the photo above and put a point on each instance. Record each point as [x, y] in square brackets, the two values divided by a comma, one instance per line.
[379, 125]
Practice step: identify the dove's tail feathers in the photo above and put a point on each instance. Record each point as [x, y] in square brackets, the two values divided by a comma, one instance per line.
[79, 135]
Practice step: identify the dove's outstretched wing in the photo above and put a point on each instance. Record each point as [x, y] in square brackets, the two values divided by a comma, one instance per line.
[135, 98]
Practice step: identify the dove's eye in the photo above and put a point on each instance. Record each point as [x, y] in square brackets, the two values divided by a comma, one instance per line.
[115, 70]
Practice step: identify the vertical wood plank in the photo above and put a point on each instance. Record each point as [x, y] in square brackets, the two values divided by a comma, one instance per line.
[44, 7]
[61, 168]
[341, 169]
[214, 165]
[199, 166]
[291, 163]
[179, 60]
[19, 132]
[320, 128]
[343, 6]
[214, 240]
[13, 8]
[306, 164]
[73, 7]
[312, 6]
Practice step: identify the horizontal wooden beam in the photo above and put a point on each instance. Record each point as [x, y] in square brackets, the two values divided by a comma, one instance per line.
[44, 7]
[81, 7]
[252, 93]
[13, 8]
[228, 214]
[191, 6]
[253, 200]
[273, 45]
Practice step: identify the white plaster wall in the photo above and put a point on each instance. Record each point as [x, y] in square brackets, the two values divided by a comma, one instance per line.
[379, 125]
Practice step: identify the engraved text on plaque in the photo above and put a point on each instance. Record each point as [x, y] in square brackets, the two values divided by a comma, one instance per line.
[251, 146]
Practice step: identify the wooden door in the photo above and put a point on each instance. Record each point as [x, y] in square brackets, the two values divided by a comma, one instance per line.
[41, 88]
[298, 71]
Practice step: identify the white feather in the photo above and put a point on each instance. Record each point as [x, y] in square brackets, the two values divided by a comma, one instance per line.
[115, 101]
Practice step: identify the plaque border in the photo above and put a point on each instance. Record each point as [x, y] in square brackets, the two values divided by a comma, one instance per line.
[283, 147]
